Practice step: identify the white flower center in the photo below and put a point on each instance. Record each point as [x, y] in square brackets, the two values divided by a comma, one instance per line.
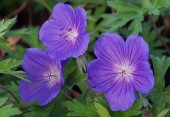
[53, 78]
[70, 34]
[125, 71]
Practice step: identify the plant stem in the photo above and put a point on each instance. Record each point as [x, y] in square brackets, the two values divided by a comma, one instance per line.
[6, 89]
[18, 10]
[66, 96]
[159, 35]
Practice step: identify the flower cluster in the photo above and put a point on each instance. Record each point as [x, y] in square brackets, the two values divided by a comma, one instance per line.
[65, 36]
[121, 67]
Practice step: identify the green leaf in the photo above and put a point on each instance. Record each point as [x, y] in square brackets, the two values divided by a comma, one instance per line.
[151, 38]
[28, 35]
[136, 25]
[5, 25]
[145, 3]
[3, 46]
[122, 6]
[160, 96]
[118, 20]
[161, 3]
[159, 67]
[123, 16]
[83, 110]
[167, 94]
[8, 64]
[73, 74]
[57, 102]
[159, 104]
[75, 77]
[3, 100]
[134, 110]
[163, 113]
[102, 111]
[9, 110]
[166, 66]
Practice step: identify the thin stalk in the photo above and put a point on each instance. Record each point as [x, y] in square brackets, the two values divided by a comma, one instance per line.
[66, 96]
[6, 89]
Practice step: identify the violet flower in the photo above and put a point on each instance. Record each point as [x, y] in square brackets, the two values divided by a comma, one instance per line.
[65, 34]
[46, 76]
[121, 69]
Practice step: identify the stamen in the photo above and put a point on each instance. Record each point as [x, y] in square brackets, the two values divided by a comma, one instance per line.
[70, 34]
[125, 70]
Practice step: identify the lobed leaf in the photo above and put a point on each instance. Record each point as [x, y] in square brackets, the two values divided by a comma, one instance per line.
[163, 113]
[5, 25]
[83, 110]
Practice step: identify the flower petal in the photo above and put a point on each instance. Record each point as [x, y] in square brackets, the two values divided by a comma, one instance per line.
[143, 78]
[64, 50]
[110, 48]
[39, 90]
[51, 31]
[37, 62]
[100, 76]
[48, 94]
[121, 96]
[29, 92]
[81, 45]
[64, 13]
[136, 49]
[81, 19]
[46, 76]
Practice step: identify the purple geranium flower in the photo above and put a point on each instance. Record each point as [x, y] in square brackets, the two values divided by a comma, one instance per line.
[65, 34]
[46, 76]
[121, 68]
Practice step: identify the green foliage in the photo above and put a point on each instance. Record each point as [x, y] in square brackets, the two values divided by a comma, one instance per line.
[123, 16]
[3, 43]
[5, 25]
[28, 35]
[133, 111]
[82, 63]
[101, 110]
[73, 74]
[160, 95]
[131, 13]
[150, 36]
[8, 64]
[154, 7]
[78, 109]
[163, 113]
[160, 67]
[7, 110]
